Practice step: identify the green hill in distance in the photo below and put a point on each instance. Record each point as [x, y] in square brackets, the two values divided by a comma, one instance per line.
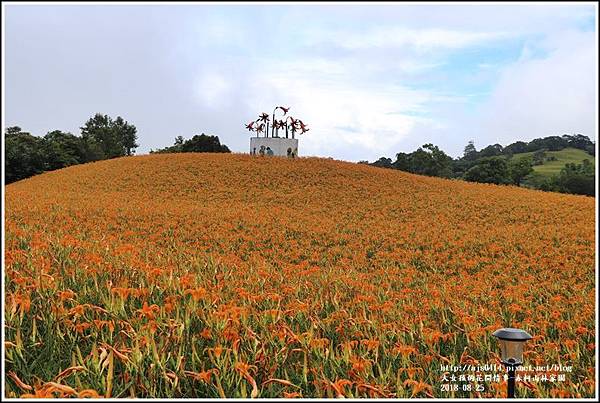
[563, 157]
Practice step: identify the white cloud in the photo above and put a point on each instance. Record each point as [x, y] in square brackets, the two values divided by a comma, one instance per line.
[343, 114]
[394, 36]
[369, 80]
[538, 97]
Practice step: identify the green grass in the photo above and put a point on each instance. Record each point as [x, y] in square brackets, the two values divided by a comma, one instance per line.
[563, 157]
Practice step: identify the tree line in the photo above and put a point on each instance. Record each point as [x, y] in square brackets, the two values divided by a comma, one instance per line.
[494, 164]
[102, 137]
[198, 144]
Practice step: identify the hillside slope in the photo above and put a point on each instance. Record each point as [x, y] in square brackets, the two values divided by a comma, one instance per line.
[308, 270]
[567, 156]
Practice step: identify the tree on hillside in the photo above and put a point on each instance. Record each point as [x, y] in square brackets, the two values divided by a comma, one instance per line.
[199, 144]
[489, 170]
[515, 148]
[426, 160]
[581, 142]
[92, 150]
[538, 157]
[24, 156]
[470, 152]
[460, 166]
[114, 138]
[13, 130]
[551, 143]
[204, 143]
[430, 160]
[519, 168]
[99, 130]
[383, 162]
[127, 133]
[63, 149]
[402, 162]
[575, 178]
[491, 151]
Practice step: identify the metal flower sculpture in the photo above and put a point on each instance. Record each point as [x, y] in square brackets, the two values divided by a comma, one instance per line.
[286, 126]
[260, 129]
[274, 121]
[303, 127]
[289, 123]
[293, 125]
[276, 127]
[282, 125]
[264, 117]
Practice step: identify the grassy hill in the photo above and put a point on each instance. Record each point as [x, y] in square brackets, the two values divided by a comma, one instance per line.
[563, 157]
[213, 275]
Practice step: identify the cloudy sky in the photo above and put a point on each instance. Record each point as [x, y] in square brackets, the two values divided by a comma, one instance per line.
[369, 80]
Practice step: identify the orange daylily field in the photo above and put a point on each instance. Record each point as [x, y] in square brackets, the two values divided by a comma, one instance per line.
[227, 275]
